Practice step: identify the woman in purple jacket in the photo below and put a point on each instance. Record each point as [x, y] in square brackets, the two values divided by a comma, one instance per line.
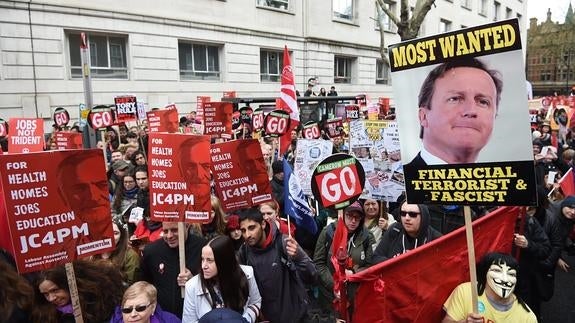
[139, 305]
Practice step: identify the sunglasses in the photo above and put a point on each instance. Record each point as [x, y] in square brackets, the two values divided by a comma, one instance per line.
[411, 214]
[138, 308]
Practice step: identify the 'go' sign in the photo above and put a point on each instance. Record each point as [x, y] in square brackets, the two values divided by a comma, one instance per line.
[258, 120]
[311, 130]
[3, 128]
[338, 181]
[100, 117]
[61, 117]
[276, 122]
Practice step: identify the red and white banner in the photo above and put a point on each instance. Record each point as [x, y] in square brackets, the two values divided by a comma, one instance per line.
[413, 287]
[56, 207]
[26, 135]
[179, 177]
[61, 117]
[218, 119]
[277, 123]
[311, 130]
[163, 120]
[288, 100]
[3, 128]
[100, 117]
[240, 174]
[69, 140]
[126, 108]
[334, 127]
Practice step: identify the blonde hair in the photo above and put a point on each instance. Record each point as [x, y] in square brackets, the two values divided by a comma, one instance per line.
[138, 288]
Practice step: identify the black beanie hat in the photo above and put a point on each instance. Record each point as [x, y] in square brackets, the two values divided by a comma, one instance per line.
[277, 167]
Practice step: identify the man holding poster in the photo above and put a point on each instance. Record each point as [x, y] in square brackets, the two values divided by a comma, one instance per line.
[461, 139]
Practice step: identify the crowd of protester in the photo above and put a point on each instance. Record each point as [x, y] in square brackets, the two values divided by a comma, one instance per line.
[276, 275]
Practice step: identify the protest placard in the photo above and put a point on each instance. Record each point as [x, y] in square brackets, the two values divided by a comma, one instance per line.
[179, 177]
[240, 174]
[57, 207]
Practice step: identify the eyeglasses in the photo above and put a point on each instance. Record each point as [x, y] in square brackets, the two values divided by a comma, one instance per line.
[411, 214]
[352, 217]
[138, 308]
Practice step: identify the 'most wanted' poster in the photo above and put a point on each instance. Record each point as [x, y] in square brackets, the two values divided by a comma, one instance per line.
[240, 174]
[179, 177]
[463, 118]
[57, 207]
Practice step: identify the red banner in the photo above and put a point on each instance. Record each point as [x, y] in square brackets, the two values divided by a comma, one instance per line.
[69, 140]
[240, 174]
[100, 116]
[218, 119]
[179, 175]
[230, 94]
[26, 135]
[413, 287]
[3, 128]
[163, 120]
[277, 123]
[57, 207]
[126, 109]
[311, 130]
[61, 117]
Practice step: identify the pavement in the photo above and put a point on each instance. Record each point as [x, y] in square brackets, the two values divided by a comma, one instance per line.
[561, 308]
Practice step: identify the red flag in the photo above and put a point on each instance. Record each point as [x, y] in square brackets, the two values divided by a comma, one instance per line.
[413, 287]
[338, 260]
[567, 183]
[288, 100]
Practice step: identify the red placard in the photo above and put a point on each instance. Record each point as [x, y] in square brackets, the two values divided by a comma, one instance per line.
[258, 120]
[240, 174]
[311, 130]
[69, 140]
[229, 94]
[201, 100]
[27, 135]
[100, 117]
[334, 127]
[277, 123]
[57, 207]
[338, 181]
[179, 175]
[61, 117]
[126, 108]
[352, 112]
[218, 119]
[163, 120]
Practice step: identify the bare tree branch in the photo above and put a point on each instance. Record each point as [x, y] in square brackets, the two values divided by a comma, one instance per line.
[382, 51]
[380, 5]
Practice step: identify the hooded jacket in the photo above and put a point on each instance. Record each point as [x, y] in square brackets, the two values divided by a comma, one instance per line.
[280, 279]
[396, 241]
[557, 227]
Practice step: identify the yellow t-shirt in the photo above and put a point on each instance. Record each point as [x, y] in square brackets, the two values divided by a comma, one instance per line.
[458, 305]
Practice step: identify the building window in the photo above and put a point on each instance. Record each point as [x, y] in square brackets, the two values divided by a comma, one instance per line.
[343, 9]
[342, 69]
[444, 25]
[107, 56]
[388, 25]
[483, 8]
[508, 13]
[199, 61]
[466, 4]
[382, 76]
[277, 4]
[496, 6]
[271, 65]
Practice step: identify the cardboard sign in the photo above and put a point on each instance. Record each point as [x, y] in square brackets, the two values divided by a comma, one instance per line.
[229, 94]
[337, 181]
[57, 207]
[179, 177]
[334, 128]
[163, 120]
[475, 148]
[240, 174]
[27, 135]
[61, 117]
[311, 130]
[69, 140]
[3, 128]
[100, 116]
[218, 119]
[126, 108]
[277, 123]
